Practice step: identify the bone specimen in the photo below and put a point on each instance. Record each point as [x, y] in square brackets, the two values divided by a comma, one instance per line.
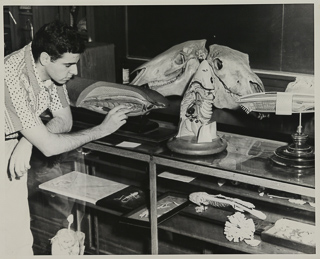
[233, 76]
[197, 133]
[169, 72]
[196, 106]
[100, 96]
[67, 241]
[220, 81]
[238, 228]
[203, 198]
[302, 84]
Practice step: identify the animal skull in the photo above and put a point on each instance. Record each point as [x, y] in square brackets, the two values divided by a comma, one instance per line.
[170, 72]
[232, 76]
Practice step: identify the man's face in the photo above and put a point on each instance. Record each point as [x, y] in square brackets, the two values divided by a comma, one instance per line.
[62, 69]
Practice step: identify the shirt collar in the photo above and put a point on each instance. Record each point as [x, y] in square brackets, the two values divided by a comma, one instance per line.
[33, 74]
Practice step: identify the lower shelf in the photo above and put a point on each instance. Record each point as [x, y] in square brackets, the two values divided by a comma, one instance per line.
[213, 234]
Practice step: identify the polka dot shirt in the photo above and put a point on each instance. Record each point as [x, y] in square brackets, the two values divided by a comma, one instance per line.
[26, 96]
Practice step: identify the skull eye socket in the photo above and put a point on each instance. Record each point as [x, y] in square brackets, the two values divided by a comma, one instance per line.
[218, 64]
[180, 59]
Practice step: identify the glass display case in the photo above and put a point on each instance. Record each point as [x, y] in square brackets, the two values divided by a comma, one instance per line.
[244, 171]
[127, 222]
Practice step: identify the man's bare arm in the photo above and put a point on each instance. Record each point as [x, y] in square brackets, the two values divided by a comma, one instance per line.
[60, 123]
[52, 144]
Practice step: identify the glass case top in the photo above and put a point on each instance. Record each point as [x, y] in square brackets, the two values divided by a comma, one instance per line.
[248, 156]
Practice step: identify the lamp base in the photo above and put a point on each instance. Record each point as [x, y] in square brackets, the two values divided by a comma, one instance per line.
[188, 145]
[298, 154]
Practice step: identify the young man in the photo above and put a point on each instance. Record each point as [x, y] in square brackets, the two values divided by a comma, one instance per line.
[35, 78]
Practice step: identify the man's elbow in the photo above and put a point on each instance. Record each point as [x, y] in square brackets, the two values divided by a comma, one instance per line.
[69, 128]
[47, 151]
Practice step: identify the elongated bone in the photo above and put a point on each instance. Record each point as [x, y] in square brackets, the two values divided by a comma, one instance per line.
[203, 198]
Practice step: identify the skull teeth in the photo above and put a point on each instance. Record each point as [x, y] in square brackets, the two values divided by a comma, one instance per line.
[159, 83]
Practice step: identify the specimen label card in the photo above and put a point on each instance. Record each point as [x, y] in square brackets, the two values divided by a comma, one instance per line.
[128, 144]
[177, 177]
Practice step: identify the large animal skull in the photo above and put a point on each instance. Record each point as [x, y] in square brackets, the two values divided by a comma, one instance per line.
[232, 75]
[170, 72]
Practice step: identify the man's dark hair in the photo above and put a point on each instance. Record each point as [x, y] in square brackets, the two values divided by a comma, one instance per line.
[57, 38]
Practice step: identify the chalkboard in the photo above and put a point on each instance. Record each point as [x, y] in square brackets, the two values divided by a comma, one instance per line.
[276, 37]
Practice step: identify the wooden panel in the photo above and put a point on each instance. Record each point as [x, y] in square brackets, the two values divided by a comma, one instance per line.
[106, 24]
[27, 18]
[64, 14]
[298, 43]
[43, 15]
[253, 29]
[15, 37]
[98, 62]
[9, 32]
[247, 28]
[90, 17]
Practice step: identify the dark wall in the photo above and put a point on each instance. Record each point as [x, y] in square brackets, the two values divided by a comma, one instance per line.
[277, 37]
[298, 38]
[107, 24]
